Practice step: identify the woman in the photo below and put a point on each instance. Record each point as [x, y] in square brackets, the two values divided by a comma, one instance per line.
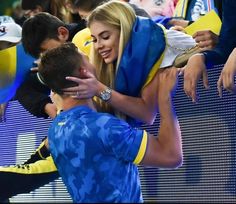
[127, 51]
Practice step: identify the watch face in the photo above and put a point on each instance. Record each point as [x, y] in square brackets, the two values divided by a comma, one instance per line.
[106, 94]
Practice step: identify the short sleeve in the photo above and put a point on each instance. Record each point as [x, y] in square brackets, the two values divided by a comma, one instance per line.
[126, 143]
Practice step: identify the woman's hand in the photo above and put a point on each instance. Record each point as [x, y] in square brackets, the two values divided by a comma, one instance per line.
[88, 86]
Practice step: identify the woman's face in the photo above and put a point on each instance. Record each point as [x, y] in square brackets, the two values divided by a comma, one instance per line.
[106, 40]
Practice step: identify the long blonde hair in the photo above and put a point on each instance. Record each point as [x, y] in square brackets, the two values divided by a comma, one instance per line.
[121, 16]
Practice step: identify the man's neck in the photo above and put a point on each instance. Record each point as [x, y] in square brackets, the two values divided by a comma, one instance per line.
[69, 103]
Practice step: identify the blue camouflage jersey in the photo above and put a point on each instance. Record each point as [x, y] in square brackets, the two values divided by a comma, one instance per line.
[95, 154]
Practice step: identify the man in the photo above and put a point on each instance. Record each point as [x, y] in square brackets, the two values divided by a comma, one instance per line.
[43, 31]
[96, 152]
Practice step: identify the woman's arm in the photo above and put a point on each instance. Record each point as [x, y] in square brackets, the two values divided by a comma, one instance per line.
[143, 108]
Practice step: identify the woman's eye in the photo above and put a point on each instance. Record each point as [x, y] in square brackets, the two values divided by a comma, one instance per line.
[105, 37]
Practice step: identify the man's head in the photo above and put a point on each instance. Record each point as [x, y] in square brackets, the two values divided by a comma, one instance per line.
[58, 63]
[42, 32]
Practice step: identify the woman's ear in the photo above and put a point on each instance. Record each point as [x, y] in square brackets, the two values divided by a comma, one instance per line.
[63, 33]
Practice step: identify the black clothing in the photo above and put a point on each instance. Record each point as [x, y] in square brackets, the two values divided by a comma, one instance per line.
[33, 95]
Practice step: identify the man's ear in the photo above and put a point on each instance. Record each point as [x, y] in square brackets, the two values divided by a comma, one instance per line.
[63, 33]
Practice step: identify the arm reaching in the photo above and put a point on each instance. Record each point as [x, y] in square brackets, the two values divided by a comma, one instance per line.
[166, 149]
[143, 108]
[194, 70]
[227, 75]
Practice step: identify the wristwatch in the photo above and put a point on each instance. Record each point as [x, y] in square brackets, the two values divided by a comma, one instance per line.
[105, 95]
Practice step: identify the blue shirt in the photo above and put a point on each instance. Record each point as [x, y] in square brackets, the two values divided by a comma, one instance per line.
[227, 39]
[95, 155]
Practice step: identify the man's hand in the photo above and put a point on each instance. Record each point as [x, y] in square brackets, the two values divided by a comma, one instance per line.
[167, 81]
[227, 75]
[194, 70]
[166, 149]
[206, 39]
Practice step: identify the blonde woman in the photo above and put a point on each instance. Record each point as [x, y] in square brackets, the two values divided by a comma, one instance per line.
[127, 51]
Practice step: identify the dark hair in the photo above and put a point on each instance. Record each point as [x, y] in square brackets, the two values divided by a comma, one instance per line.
[37, 29]
[55, 7]
[58, 63]
[32, 4]
[88, 5]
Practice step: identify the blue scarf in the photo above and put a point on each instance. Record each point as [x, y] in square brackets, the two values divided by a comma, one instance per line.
[143, 50]
[141, 54]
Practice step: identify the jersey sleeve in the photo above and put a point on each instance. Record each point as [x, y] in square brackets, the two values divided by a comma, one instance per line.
[126, 143]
